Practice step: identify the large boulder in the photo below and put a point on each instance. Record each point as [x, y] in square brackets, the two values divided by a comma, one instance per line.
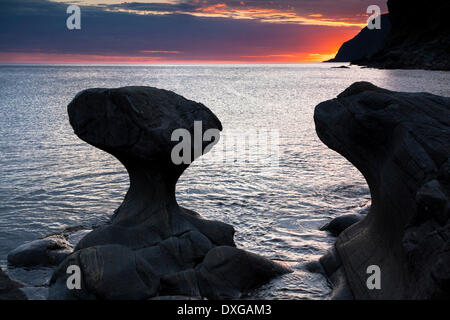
[154, 247]
[401, 144]
[339, 224]
[48, 251]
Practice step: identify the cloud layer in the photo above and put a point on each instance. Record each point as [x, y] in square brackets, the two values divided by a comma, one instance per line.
[190, 30]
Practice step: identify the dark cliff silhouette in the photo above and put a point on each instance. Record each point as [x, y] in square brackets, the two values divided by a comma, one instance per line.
[419, 37]
[364, 44]
[400, 142]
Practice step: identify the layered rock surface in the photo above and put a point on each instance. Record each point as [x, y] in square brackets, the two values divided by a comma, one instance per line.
[401, 144]
[154, 247]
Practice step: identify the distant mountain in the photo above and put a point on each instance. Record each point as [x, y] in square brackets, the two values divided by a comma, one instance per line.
[419, 37]
[364, 44]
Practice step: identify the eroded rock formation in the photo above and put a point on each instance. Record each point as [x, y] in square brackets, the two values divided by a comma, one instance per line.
[401, 144]
[153, 247]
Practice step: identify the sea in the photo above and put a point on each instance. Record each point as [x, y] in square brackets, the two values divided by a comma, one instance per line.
[50, 179]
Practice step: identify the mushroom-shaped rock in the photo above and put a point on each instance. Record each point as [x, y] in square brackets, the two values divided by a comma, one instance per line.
[151, 239]
[401, 144]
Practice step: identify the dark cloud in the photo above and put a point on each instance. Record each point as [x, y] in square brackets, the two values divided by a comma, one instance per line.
[350, 10]
[40, 26]
[182, 7]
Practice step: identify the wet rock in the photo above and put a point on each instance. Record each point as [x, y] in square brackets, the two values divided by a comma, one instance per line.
[332, 268]
[401, 144]
[48, 251]
[153, 247]
[10, 289]
[74, 237]
[109, 272]
[339, 224]
[228, 272]
[225, 273]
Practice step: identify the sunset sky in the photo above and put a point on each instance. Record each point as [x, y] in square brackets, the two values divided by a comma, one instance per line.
[161, 31]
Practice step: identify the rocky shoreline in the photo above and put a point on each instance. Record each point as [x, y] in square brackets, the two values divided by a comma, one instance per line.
[154, 249]
[401, 144]
[419, 38]
[413, 35]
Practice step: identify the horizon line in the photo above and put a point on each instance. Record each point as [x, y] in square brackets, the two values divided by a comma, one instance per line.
[162, 62]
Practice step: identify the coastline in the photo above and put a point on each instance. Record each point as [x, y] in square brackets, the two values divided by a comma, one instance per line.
[322, 219]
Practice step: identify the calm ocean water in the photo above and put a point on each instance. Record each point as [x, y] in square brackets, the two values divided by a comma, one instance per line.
[49, 179]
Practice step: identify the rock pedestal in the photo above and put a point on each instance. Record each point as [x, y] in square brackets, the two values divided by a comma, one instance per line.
[154, 247]
[401, 144]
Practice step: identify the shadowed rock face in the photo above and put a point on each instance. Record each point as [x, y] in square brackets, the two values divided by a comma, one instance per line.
[401, 144]
[153, 247]
[364, 44]
[419, 37]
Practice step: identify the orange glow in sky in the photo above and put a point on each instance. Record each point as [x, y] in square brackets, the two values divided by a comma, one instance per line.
[325, 48]
[283, 34]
